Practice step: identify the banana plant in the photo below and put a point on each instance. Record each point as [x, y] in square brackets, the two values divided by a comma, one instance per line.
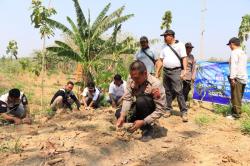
[89, 47]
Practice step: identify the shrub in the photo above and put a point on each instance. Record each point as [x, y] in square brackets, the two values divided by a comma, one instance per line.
[222, 109]
[246, 108]
[203, 119]
[3, 90]
[25, 64]
[245, 126]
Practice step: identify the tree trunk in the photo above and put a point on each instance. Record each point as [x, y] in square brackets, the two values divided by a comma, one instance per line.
[87, 77]
[15, 56]
[43, 73]
[82, 76]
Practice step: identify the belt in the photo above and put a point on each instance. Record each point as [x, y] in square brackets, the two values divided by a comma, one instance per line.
[171, 69]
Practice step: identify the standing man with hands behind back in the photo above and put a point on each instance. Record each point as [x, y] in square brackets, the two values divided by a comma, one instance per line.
[173, 59]
[238, 75]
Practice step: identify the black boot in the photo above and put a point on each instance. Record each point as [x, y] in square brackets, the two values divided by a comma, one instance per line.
[147, 133]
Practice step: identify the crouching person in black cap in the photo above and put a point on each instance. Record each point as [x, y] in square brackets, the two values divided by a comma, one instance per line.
[144, 100]
[14, 107]
[64, 98]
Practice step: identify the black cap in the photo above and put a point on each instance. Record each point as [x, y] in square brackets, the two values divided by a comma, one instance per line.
[189, 45]
[118, 77]
[91, 85]
[15, 93]
[143, 39]
[235, 41]
[168, 32]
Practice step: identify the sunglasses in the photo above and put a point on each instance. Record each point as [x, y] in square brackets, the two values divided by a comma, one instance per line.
[144, 41]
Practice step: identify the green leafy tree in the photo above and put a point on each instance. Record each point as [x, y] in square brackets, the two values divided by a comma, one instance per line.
[244, 28]
[166, 20]
[12, 48]
[39, 17]
[89, 46]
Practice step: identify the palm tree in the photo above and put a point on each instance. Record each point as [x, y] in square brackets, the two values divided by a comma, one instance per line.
[166, 20]
[88, 37]
[244, 28]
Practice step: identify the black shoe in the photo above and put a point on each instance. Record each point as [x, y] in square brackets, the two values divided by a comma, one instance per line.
[236, 116]
[147, 133]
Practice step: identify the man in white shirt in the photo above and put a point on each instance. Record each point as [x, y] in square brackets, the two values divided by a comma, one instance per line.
[116, 90]
[173, 59]
[14, 107]
[146, 55]
[91, 96]
[238, 75]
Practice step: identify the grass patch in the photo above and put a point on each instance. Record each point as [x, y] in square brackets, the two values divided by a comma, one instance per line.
[226, 109]
[11, 147]
[203, 119]
[29, 95]
[245, 126]
[50, 113]
[19, 86]
[246, 109]
[103, 101]
[222, 109]
[3, 90]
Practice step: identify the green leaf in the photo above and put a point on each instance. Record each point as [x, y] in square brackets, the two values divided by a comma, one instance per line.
[81, 20]
[60, 51]
[101, 16]
[60, 26]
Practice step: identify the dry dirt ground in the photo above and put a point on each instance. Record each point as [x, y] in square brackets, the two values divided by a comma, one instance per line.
[89, 138]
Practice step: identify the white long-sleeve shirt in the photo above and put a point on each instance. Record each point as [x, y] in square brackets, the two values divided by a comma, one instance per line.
[238, 66]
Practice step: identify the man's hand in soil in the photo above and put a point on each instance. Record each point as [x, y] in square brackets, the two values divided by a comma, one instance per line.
[17, 121]
[120, 121]
[113, 104]
[87, 108]
[137, 124]
[26, 121]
